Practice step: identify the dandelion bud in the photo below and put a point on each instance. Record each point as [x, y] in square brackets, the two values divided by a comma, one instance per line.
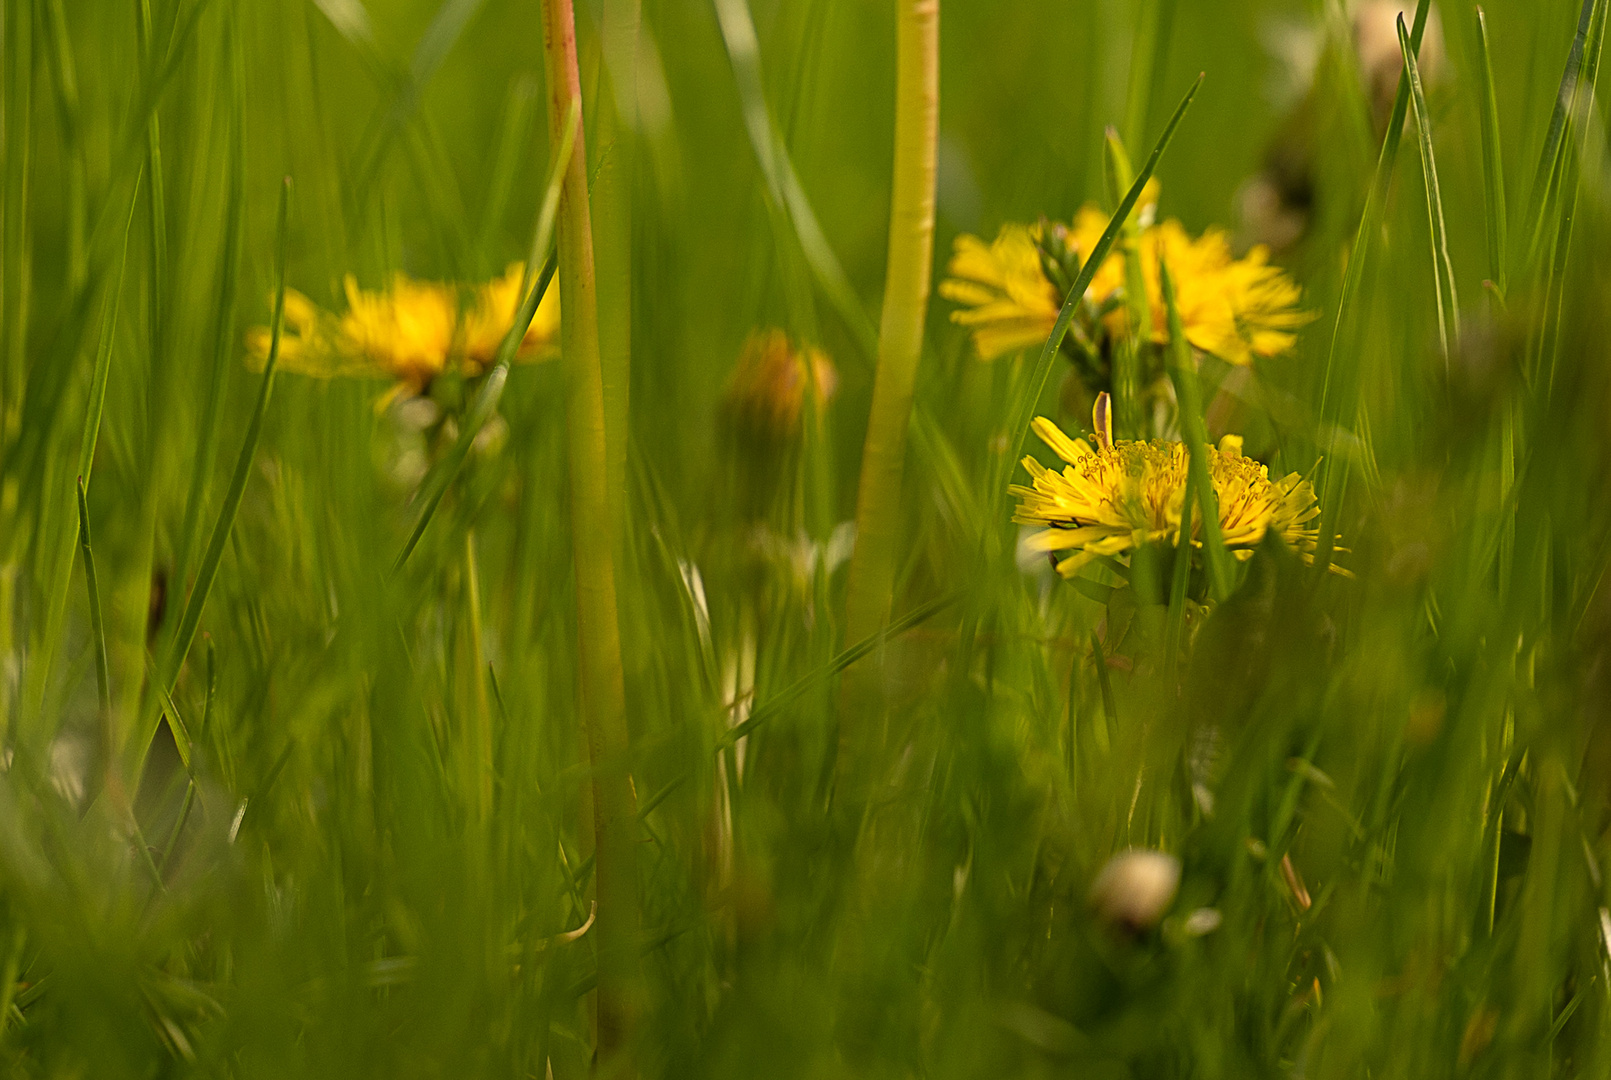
[767, 393]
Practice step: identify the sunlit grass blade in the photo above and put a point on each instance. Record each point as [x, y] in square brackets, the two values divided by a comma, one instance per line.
[744, 52]
[442, 472]
[1493, 172]
[1024, 409]
[1442, 265]
[207, 570]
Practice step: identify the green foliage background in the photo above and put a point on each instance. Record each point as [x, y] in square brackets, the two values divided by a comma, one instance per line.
[315, 895]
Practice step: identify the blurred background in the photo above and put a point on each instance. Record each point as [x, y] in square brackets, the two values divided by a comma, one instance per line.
[1384, 799]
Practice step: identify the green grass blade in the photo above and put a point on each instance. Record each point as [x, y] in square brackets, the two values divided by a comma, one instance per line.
[1024, 409]
[1148, 54]
[103, 675]
[1544, 178]
[744, 52]
[1127, 352]
[225, 522]
[1342, 328]
[1176, 628]
[103, 355]
[1183, 372]
[444, 31]
[64, 74]
[1493, 172]
[15, 271]
[1566, 191]
[518, 116]
[778, 702]
[176, 721]
[225, 341]
[1442, 265]
[61, 582]
[1370, 221]
[442, 472]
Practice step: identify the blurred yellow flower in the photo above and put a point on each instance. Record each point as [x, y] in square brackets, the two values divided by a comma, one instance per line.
[1007, 298]
[489, 320]
[1231, 308]
[411, 332]
[767, 392]
[1112, 497]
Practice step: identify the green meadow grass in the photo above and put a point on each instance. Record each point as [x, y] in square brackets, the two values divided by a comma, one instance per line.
[279, 802]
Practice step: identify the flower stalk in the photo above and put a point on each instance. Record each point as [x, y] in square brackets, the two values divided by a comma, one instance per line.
[602, 692]
[900, 343]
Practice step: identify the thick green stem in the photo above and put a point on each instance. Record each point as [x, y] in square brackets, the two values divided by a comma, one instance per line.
[603, 697]
[612, 228]
[879, 526]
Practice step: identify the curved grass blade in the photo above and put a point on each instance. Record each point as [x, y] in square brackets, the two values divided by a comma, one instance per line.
[1442, 265]
[1493, 172]
[436, 482]
[744, 53]
[208, 569]
[1023, 413]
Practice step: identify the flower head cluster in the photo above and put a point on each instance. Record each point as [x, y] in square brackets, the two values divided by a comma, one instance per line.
[411, 332]
[766, 395]
[1235, 309]
[1112, 497]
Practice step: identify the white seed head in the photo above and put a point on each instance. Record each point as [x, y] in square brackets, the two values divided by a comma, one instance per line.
[1135, 888]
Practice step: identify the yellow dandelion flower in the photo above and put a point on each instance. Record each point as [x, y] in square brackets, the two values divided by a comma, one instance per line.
[1114, 496]
[767, 392]
[1266, 301]
[405, 332]
[1235, 309]
[1007, 298]
[489, 320]
[411, 332]
[1009, 302]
